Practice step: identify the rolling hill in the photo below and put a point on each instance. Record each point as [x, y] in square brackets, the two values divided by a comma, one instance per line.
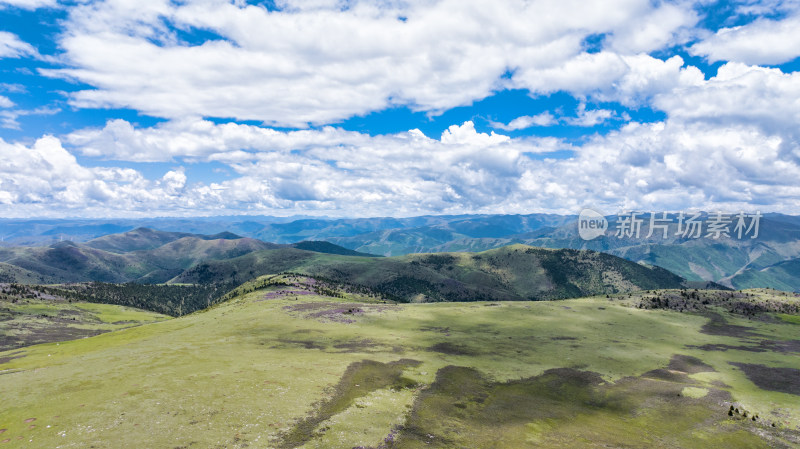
[516, 272]
[703, 259]
[283, 366]
[75, 262]
[784, 275]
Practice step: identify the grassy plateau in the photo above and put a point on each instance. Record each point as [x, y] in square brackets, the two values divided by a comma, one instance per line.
[281, 364]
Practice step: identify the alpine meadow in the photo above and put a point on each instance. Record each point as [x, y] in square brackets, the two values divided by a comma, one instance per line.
[371, 224]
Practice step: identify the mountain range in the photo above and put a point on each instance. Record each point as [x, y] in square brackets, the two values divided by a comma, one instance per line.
[514, 272]
[770, 260]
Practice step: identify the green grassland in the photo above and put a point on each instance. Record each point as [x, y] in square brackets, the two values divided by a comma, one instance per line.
[279, 365]
[26, 321]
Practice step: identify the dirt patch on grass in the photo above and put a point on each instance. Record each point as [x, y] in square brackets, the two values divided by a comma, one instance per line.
[782, 346]
[453, 349]
[717, 325]
[286, 293]
[11, 356]
[784, 380]
[360, 379]
[333, 311]
[665, 374]
[441, 330]
[689, 364]
[34, 334]
[306, 344]
[722, 347]
[464, 408]
[367, 346]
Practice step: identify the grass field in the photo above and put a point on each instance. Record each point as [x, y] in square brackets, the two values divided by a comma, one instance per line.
[284, 367]
[30, 321]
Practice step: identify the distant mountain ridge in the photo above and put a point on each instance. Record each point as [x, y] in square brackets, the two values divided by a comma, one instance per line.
[141, 255]
[729, 261]
[144, 239]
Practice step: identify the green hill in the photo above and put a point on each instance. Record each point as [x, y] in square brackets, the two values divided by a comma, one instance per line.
[75, 262]
[141, 239]
[135, 240]
[516, 272]
[284, 367]
[783, 275]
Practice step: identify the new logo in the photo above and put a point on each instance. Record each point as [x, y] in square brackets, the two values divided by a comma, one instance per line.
[591, 224]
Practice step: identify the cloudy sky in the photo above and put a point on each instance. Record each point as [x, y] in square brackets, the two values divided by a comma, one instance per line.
[373, 108]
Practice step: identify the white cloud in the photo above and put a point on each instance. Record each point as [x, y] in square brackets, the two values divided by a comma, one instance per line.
[28, 4]
[590, 117]
[44, 179]
[584, 117]
[763, 41]
[527, 121]
[8, 117]
[323, 170]
[727, 142]
[668, 24]
[738, 94]
[667, 165]
[174, 181]
[670, 166]
[318, 63]
[12, 47]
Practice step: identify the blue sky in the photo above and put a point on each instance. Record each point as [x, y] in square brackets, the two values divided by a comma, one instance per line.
[121, 108]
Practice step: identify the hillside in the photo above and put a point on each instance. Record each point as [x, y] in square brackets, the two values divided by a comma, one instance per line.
[135, 240]
[328, 248]
[70, 262]
[784, 275]
[282, 366]
[512, 273]
[75, 262]
[32, 315]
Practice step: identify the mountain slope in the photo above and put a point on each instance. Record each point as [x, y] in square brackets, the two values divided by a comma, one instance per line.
[512, 273]
[135, 240]
[328, 248]
[145, 238]
[702, 259]
[783, 275]
[283, 367]
[74, 262]
[71, 262]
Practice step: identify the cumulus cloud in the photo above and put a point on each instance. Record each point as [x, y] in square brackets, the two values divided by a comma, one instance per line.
[666, 165]
[728, 140]
[44, 179]
[738, 94]
[312, 62]
[667, 25]
[763, 41]
[327, 170]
